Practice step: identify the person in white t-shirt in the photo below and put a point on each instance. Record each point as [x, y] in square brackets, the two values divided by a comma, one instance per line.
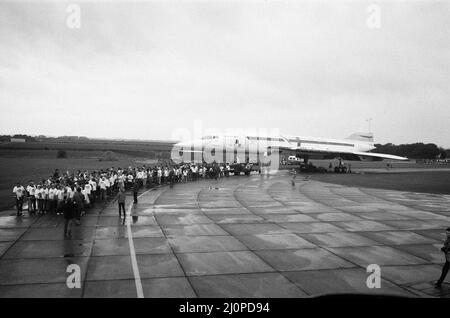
[159, 175]
[19, 192]
[112, 184]
[88, 189]
[69, 192]
[228, 169]
[38, 196]
[85, 194]
[52, 198]
[31, 189]
[204, 173]
[93, 189]
[121, 181]
[130, 179]
[166, 175]
[144, 178]
[59, 193]
[102, 185]
[55, 198]
[45, 203]
[185, 175]
[108, 186]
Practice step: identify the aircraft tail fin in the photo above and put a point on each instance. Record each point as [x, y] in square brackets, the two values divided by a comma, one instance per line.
[362, 136]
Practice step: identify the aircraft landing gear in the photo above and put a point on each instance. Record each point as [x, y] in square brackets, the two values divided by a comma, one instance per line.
[342, 169]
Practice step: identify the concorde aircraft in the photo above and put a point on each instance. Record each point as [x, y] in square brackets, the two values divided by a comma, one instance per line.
[248, 148]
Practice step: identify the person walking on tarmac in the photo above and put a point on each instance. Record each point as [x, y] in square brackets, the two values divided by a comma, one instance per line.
[171, 177]
[68, 207]
[294, 174]
[78, 199]
[135, 191]
[215, 170]
[446, 250]
[19, 192]
[121, 197]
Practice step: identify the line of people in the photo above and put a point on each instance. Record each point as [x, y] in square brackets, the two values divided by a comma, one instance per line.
[88, 187]
[71, 194]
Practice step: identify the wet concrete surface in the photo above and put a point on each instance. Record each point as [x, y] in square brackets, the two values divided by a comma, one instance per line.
[236, 237]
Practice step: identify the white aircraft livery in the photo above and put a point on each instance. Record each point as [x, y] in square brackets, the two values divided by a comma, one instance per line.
[252, 148]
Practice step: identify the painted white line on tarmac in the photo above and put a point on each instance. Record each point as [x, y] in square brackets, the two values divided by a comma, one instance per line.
[137, 277]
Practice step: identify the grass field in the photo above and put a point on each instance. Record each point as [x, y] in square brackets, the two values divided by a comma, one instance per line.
[34, 161]
[91, 148]
[356, 165]
[25, 169]
[424, 181]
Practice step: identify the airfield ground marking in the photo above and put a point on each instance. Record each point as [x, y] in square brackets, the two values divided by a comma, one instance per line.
[137, 277]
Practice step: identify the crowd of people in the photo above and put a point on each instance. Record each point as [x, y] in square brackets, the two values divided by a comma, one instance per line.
[72, 193]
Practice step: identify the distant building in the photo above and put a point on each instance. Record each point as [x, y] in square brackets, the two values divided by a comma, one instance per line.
[17, 139]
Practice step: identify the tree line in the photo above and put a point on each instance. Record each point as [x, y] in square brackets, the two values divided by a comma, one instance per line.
[7, 138]
[416, 150]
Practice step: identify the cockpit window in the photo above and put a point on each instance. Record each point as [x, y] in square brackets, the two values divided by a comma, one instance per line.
[209, 137]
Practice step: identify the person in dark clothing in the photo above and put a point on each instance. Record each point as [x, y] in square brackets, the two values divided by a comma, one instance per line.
[216, 171]
[69, 214]
[121, 200]
[78, 199]
[135, 191]
[294, 174]
[171, 177]
[446, 250]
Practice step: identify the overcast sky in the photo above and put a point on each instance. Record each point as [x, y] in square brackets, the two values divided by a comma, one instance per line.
[144, 69]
